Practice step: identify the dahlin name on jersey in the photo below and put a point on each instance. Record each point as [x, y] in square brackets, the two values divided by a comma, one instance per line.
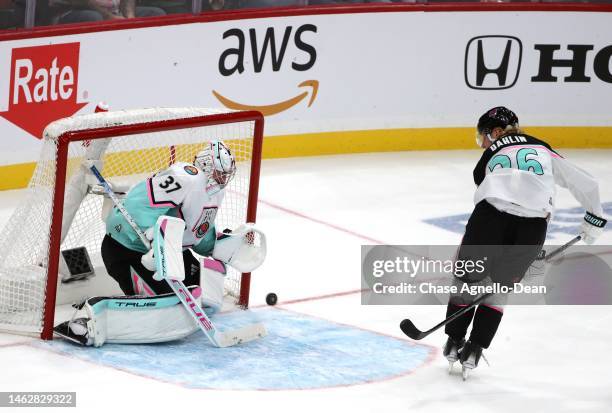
[507, 140]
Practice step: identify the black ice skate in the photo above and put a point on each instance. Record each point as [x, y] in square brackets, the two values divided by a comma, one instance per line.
[74, 330]
[469, 357]
[451, 351]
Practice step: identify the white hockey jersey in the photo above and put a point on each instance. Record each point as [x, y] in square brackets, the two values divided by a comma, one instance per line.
[517, 174]
[177, 191]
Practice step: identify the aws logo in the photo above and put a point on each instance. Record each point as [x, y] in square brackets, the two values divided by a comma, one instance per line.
[273, 48]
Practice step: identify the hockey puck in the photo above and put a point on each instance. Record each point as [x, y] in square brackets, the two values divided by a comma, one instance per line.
[271, 299]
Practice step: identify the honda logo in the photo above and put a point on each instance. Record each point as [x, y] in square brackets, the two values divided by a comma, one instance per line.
[493, 62]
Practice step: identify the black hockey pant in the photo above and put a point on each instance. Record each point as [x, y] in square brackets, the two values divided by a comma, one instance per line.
[492, 228]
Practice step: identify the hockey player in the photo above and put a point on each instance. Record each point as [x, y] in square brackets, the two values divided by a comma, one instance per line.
[515, 179]
[194, 193]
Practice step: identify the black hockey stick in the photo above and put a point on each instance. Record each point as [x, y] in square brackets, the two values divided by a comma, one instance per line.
[559, 250]
[414, 333]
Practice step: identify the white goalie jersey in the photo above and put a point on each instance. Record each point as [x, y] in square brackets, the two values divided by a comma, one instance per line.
[178, 191]
[517, 174]
[184, 186]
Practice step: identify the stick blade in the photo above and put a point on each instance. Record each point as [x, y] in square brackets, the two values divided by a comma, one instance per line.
[241, 335]
[410, 329]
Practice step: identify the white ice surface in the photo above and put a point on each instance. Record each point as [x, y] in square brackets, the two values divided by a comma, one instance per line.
[316, 213]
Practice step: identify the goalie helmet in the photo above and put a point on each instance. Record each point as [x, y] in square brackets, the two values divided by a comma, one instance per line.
[218, 163]
[497, 117]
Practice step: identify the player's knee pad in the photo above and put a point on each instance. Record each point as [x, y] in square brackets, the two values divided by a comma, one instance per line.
[134, 320]
[212, 279]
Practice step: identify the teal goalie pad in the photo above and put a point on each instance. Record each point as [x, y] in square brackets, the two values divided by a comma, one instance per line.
[139, 319]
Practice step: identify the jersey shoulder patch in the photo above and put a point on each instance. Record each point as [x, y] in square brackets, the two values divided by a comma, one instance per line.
[191, 170]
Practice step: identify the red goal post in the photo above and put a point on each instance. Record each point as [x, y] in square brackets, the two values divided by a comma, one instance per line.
[141, 141]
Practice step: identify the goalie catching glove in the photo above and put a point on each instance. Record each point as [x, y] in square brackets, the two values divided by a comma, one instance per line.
[592, 227]
[244, 248]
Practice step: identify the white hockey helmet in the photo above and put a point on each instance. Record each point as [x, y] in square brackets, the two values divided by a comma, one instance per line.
[218, 163]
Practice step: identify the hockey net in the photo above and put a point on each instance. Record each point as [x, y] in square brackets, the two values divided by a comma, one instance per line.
[130, 146]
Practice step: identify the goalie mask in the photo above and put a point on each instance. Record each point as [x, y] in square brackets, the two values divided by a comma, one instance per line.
[218, 163]
[498, 117]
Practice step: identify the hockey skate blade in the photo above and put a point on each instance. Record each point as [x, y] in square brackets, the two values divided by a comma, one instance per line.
[241, 335]
[465, 372]
[410, 329]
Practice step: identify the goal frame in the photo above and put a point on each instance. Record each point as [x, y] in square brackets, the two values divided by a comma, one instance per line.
[66, 138]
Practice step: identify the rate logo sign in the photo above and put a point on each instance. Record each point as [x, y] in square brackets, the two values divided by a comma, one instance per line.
[43, 87]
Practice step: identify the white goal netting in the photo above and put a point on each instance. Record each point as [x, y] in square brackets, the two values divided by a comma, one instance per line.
[25, 241]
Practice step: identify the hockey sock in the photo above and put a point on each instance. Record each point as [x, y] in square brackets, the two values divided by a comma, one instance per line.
[457, 329]
[486, 321]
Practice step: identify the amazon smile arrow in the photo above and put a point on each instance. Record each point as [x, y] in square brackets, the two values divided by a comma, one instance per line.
[274, 108]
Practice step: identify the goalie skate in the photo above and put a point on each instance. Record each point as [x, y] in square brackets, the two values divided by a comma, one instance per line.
[74, 330]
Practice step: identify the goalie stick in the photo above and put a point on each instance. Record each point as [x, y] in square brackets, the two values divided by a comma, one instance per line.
[414, 333]
[217, 338]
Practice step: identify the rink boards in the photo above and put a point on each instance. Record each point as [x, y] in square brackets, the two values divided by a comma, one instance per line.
[413, 80]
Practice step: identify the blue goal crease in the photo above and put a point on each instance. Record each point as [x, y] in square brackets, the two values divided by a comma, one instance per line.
[300, 352]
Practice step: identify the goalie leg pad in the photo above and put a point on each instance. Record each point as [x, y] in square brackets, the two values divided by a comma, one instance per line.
[212, 277]
[138, 320]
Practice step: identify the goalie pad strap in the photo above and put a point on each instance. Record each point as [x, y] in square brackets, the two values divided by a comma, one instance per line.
[214, 265]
